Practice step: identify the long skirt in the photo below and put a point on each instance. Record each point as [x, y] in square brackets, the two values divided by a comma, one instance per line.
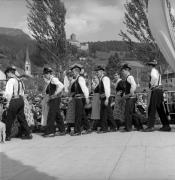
[45, 110]
[28, 112]
[70, 114]
[95, 114]
[119, 108]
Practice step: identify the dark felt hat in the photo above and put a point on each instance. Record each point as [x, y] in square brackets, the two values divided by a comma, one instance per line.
[126, 66]
[47, 70]
[99, 68]
[76, 65]
[10, 69]
[153, 62]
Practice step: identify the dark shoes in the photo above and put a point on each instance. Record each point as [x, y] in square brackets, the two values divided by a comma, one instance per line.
[25, 137]
[149, 129]
[101, 132]
[8, 138]
[75, 134]
[86, 132]
[113, 130]
[60, 134]
[165, 128]
[48, 135]
[125, 130]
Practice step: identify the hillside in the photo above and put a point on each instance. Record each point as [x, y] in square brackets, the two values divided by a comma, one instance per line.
[12, 32]
[13, 45]
[107, 46]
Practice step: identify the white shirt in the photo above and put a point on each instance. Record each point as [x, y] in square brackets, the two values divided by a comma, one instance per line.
[83, 86]
[66, 84]
[59, 85]
[107, 86]
[12, 89]
[131, 81]
[155, 78]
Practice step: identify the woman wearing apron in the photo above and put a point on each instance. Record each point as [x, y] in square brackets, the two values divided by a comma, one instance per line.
[119, 106]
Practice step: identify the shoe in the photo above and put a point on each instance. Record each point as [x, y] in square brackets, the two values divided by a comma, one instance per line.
[165, 128]
[75, 134]
[84, 132]
[48, 135]
[27, 137]
[149, 129]
[8, 138]
[101, 132]
[126, 130]
[60, 134]
[118, 124]
[113, 130]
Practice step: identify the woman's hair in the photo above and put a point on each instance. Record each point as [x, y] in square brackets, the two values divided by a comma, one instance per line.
[69, 74]
[117, 73]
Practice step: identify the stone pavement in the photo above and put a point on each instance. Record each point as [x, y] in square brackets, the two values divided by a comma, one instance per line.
[111, 156]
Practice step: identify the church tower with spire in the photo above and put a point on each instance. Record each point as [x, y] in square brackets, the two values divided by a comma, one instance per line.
[27, 64]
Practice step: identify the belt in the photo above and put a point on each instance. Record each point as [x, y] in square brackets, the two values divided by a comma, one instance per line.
[16, 97]
[79, 96]
[157, 87]
[102, 95]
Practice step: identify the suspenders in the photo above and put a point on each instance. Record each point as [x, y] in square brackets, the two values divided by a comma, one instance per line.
[18, 92]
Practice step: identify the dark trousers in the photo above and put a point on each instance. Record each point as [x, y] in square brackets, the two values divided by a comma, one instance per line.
[81, 119]
[16, 109]
[96, 124]
[106, 115]
[129, 111]
[156, 104]
[54, 115]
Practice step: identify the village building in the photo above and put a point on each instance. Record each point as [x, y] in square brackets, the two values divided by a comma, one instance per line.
[80, 45]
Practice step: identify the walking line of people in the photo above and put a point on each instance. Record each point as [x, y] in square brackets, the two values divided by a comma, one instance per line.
[103, 115]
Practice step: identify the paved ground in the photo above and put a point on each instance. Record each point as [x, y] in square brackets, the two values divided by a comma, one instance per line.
[111, 156]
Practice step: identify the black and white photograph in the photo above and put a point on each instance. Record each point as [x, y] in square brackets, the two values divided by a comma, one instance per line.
[87, 90]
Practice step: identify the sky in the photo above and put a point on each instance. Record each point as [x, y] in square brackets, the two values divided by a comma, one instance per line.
[90, 20]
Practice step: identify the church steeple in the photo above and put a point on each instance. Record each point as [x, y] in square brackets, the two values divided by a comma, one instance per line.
[27, 63]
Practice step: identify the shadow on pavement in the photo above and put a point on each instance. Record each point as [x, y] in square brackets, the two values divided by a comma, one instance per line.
[14, 170]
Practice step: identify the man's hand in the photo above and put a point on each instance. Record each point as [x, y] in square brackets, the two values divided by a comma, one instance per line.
[70, 99]
[7, 105]
[106, 102]
[119, 92]
[52, 97]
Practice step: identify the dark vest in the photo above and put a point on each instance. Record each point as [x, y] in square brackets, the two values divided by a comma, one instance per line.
[96, 90]
[76, 88]
[101, 86]
[51, 88]
[121, 87]
[128, 86]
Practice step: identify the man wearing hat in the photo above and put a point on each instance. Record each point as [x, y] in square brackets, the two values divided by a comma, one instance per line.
[129, 96]
[54, 89]
[81, 94]
[156, 100]
[15, 104]
[106, 115]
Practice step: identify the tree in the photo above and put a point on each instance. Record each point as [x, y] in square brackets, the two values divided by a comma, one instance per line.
[138, 29]
[172, 18]
[46, 20]
[114, 65]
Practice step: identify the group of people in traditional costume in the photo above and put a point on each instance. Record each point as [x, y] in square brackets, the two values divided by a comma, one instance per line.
[105, 117]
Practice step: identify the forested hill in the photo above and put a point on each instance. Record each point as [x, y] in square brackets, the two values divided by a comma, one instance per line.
[14, 42]
[13, 45]
[107, 46]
